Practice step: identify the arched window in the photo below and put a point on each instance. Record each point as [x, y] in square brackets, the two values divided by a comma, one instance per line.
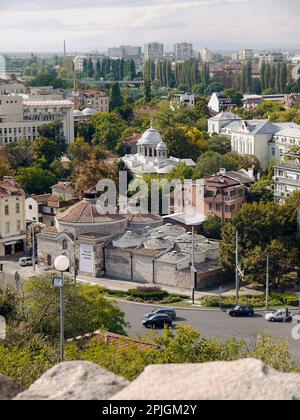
[65, 244]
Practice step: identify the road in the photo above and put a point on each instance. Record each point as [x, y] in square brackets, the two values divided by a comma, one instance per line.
[214, 324]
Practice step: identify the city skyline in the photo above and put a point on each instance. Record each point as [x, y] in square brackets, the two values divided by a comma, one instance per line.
[41, 27]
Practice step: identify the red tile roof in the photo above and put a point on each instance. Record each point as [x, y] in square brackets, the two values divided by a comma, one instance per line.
[86, 212]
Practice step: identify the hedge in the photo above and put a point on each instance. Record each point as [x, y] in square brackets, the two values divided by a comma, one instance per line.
[154, 296]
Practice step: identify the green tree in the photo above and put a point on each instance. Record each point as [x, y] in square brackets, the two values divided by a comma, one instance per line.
[116, 99]
[108, 130]
[5, 168]
[212, 227]
[35, 180]
[45, 149]
[282, 261]
[147, 90]
[19, 154]
[210, 163]
[54, 131]
[219, 144]
[86, 309]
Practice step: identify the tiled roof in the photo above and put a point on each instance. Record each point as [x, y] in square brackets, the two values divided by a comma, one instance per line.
[86, 212]
[134, 139]
[143, 218]
[8, 188]
[110, 338]
[40, 199]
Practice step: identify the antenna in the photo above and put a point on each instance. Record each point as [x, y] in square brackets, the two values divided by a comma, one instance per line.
[65, 50]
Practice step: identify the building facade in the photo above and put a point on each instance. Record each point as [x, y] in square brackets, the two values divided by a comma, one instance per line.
[286, 180]
[154, 51]
[183, 51]
[139, 248]
[12, 218]
[220, 102]
[47, 111]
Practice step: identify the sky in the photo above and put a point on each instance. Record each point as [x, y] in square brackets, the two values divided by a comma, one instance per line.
[90, 25]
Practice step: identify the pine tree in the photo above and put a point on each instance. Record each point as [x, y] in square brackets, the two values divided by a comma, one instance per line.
[147, 90]
[116, 99]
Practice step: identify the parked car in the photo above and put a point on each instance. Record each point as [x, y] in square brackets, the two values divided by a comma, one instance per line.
[163, 311]
[240, 311]
[26, 262]
[158, 321]
[279, 316]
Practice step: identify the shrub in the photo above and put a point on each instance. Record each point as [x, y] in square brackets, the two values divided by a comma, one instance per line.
[148, 294]
[291, 300]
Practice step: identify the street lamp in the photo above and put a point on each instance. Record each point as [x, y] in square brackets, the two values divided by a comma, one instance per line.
[61, 264]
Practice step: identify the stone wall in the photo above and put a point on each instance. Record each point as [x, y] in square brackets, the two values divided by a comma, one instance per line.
[247, 379]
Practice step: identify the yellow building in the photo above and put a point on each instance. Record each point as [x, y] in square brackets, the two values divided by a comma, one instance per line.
[12, 218]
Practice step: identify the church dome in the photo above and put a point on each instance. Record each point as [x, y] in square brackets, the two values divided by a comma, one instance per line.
[77, 113]
[151, 137]
[162, 147]
[89, 112]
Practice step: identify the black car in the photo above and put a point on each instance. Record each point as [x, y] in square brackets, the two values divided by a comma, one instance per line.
[158, 321]
[163, 311]
[240, 311]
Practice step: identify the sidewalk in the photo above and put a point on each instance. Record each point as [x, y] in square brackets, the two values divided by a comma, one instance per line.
[115, 284]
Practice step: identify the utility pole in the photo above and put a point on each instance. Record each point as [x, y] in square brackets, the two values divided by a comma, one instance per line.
[237, 279]
[267, 284]
[193, 271]
[33, 247]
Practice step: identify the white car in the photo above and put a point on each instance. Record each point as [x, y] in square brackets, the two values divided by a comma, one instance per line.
[26, 262]
[279, 316]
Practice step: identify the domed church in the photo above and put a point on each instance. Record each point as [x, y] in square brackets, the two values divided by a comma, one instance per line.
[152, 156]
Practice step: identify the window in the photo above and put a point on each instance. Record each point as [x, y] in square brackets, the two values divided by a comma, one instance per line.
[7, 210]
[65, 245]
[18, 208]
[7, 227]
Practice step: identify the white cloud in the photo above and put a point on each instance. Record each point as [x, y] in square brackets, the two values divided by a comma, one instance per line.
[97, 24]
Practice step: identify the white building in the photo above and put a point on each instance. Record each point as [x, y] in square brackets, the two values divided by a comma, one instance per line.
[154, 51]
[219, 123]
[271, 58]
[247, 54]
[2, 68]
[47, 111]
[13, 127]
[219, 102]
[264, 139]
[80, 59]
[206, 56]
[152, 156]
[125, 52]
[186, 100]
[183, 51]
[261, 138]
[286, 180]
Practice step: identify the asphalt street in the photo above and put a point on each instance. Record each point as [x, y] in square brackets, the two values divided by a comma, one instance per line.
[214, 324]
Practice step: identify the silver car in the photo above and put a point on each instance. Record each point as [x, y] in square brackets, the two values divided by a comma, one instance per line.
[26, 262]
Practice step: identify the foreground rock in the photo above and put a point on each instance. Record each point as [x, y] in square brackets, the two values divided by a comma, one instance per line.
[242, 380]
[75, 381]
[8, 389]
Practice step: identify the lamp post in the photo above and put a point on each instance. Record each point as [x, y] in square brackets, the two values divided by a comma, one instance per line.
[61, 264]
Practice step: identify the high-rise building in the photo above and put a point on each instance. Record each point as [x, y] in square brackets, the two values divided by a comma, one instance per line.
[125, 52]
[2, 68]
[154, 51]
[206, 56]
[247, 54]
[183, 51]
